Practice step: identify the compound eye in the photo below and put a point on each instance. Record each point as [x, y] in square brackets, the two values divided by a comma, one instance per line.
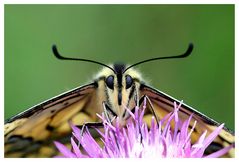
[129, 81]
[110, 81]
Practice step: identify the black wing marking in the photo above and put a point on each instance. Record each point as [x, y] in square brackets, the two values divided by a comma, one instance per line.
[31, 132]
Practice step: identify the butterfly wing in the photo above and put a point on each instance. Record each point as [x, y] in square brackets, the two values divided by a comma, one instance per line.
[32, 132]
[163, 104]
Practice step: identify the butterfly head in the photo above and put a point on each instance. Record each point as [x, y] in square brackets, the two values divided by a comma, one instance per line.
[120, 87]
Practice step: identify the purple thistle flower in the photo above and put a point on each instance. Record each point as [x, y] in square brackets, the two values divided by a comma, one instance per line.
[137, 140]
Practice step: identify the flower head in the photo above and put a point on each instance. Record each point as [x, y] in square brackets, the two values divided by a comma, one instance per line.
[136, 139]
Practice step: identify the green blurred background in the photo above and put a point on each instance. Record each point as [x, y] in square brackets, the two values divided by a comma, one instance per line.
[128, 33]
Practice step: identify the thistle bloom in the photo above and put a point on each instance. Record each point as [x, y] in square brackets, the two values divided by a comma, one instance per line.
[137, 140]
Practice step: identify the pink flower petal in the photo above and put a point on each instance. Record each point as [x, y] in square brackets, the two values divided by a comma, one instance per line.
[64, 150]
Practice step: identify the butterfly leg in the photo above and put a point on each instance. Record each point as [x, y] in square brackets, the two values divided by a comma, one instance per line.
[106, 110]
[89, 125]
[151, 107]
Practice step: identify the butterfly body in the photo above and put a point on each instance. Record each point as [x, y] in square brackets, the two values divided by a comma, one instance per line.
[116, 87]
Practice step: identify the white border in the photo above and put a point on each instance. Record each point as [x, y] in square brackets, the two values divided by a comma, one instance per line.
[2, 2]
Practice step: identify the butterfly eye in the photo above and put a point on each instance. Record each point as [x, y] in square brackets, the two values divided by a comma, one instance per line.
[110, 81]
[129, 81]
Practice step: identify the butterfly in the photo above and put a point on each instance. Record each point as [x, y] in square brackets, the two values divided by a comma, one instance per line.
[31, 133]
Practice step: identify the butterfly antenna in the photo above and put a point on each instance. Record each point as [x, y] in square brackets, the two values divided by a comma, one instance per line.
[185, 54]
[59, 56]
